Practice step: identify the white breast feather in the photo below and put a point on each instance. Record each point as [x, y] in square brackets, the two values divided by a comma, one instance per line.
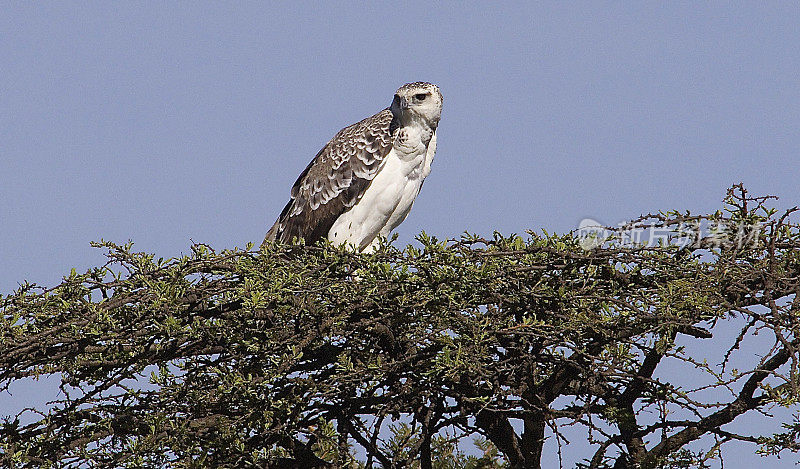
[388, 199]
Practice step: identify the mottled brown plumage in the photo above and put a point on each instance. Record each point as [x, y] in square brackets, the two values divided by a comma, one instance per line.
[335, 179]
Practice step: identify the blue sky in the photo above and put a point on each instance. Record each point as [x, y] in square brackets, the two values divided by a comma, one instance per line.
[165, 123]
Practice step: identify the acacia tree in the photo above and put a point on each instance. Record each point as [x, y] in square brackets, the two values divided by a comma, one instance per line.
[316, 356]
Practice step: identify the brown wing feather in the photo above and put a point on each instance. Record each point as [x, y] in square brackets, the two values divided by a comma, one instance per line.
[335, 179]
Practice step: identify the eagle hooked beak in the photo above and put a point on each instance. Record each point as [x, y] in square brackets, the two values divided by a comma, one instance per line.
[402, 102]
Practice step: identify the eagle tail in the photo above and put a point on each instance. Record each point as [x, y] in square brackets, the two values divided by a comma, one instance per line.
[272, 234]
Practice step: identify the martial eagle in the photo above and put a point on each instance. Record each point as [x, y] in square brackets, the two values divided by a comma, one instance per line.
[363, 183]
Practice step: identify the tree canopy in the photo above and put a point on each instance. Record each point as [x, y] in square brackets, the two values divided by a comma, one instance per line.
[464, 353]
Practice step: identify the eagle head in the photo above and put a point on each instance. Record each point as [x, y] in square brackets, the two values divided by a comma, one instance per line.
[418, 101]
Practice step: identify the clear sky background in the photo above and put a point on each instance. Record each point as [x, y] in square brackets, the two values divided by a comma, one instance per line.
[162, 123]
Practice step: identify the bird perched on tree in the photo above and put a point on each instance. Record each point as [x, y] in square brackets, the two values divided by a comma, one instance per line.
[363, 183]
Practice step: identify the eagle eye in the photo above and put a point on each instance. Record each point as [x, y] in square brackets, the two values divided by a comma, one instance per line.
[420, 96]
